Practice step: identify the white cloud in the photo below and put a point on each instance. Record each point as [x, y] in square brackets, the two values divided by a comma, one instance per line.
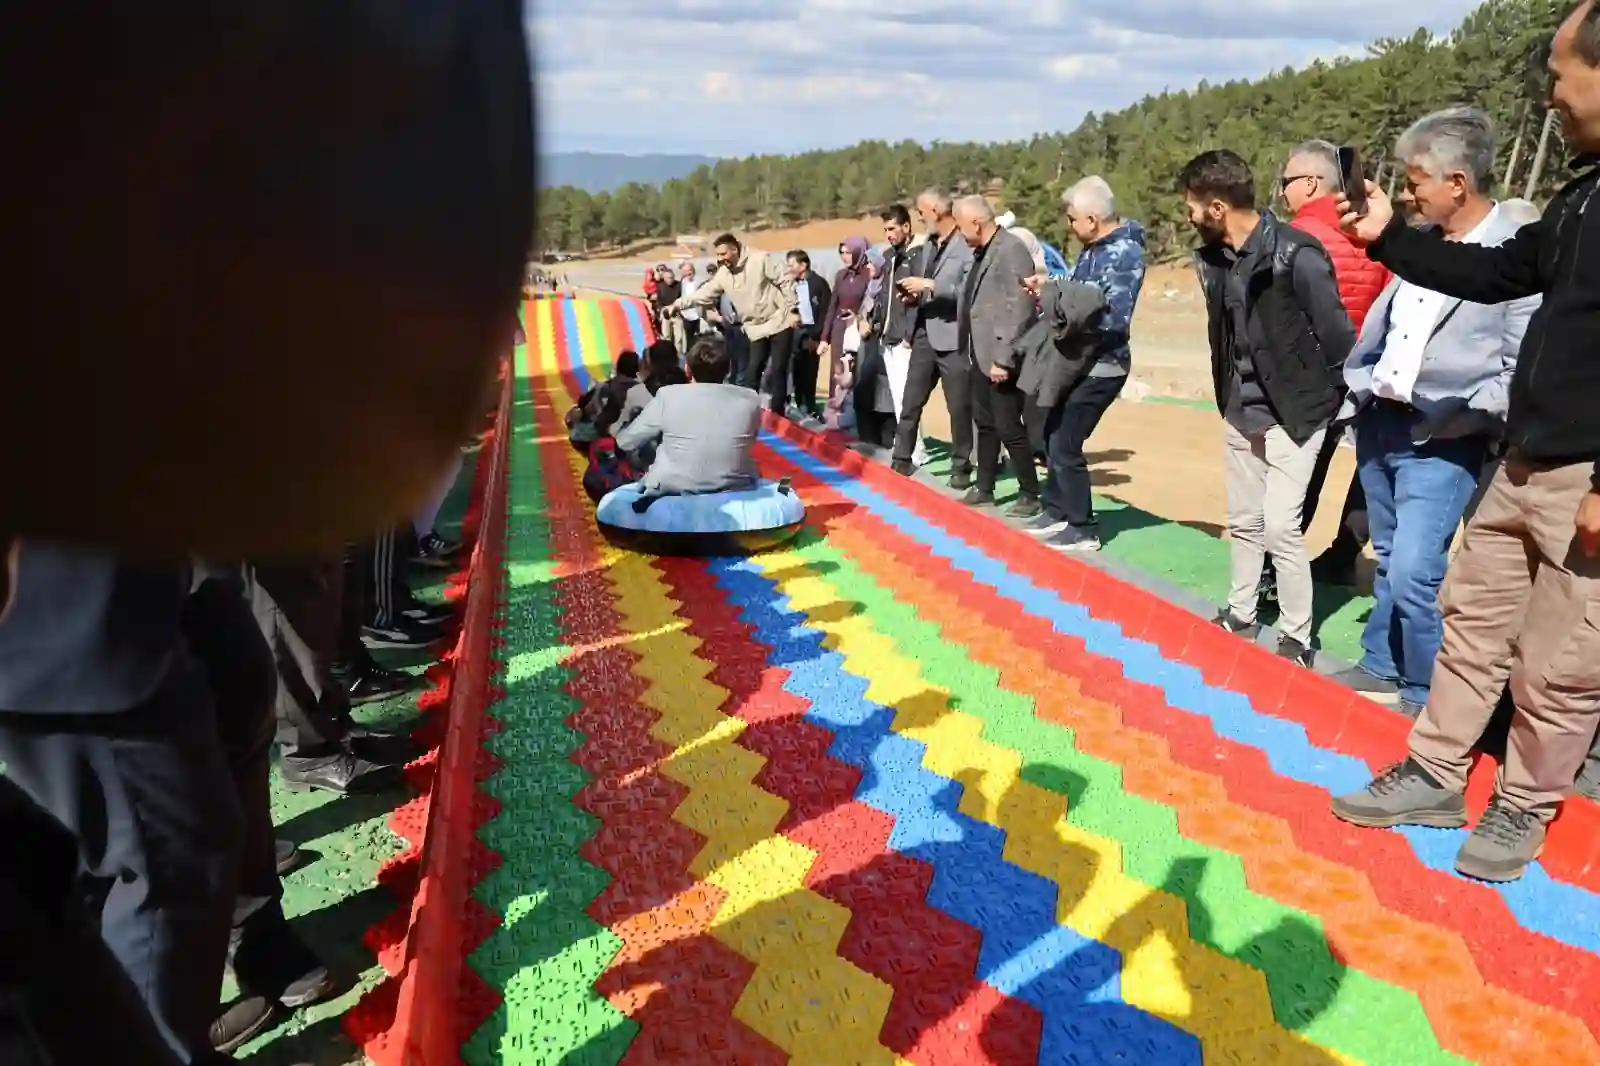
[743, 76]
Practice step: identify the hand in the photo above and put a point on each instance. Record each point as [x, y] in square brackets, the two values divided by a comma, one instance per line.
[1034, 284]
[1588, 523]
[823, 349]
[999, 374]
[914, 286]
[1367, 227]
[865, 328]
[668, 311]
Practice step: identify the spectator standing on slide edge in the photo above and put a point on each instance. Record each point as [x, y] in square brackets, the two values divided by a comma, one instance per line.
[1523, 594]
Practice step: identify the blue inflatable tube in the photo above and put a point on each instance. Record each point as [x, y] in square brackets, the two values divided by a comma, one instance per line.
[717, 523]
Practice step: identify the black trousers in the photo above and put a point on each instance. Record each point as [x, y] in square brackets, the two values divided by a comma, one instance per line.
[300, 608]
[953, 373]
[997, 413]
[767, 368]
[1067, 427]
[148, 796]
[63, 994]
[805, 364]
[384, 590]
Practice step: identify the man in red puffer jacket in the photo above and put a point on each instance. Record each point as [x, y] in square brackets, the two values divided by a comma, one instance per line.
[1312, 189]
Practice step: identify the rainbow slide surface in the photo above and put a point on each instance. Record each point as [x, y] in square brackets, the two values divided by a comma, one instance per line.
[916, 790]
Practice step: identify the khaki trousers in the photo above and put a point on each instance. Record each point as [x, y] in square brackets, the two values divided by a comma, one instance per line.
[1520, 599]
[1266, 477]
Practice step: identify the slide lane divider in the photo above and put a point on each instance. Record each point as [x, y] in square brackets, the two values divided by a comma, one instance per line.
[547, 954]
[1540, 902]
[1332, 716]
[430, 999]
[1391, 946]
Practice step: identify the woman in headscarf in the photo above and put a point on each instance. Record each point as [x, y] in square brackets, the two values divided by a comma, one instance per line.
[849, 289]
[874, 399]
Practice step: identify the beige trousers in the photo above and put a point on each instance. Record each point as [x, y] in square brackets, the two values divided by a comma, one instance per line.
[1519, 599]
[1266, 477]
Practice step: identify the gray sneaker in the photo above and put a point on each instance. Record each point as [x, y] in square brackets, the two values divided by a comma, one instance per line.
[1045, 526]
[1502, 844]
[1404, 794]
[1076, 539]
[1369, 685]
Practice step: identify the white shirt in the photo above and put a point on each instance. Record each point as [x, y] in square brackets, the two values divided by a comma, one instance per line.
[690, 313]
[1412, 314]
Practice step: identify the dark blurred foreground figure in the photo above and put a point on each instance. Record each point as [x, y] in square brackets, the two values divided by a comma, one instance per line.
[301, 229]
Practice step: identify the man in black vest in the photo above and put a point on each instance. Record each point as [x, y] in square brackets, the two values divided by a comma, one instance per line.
[1279, 336]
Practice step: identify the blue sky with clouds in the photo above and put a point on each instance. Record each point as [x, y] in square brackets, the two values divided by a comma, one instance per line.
[733, 77]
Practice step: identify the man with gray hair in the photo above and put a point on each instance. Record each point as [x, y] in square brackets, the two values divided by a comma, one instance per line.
[995, 308]
[1429, 385]
[932, 291]
[1312, 185]
[1112, 260]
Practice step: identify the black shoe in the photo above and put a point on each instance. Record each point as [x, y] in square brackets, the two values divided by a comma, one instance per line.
[403, 634]
[429, 614]
[380, 747]
[903, 467]
[379, 683]
[288, 854]
[961, 479]
[243, 1021]
[436, 552]
[343, 774]
[1229, 621]
[977, 497]
[1296, 652]
[1026, 508]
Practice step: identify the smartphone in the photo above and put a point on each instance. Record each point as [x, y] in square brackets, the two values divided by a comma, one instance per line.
[1354, 177]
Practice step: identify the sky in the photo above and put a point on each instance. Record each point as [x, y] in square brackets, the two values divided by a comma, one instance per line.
[740, 77]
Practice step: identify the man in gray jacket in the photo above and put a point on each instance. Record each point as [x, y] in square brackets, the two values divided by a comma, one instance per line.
[934, 290]
[706, 429]
[1429, 381]
[995, 309]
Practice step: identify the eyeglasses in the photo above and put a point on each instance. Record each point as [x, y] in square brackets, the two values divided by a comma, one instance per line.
[1288, 181]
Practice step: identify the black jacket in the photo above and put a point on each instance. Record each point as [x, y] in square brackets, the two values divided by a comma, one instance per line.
[1297, 332]
[1059, 348]
[898, 264]
[821, 297]
[1555, 390]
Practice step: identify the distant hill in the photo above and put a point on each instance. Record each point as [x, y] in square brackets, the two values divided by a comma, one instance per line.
[606, 171]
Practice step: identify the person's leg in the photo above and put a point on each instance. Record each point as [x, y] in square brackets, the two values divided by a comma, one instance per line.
[922, 371]
[1289, 467]
[1086, 404]
[805, 370]
[1006, 408]
[980, 393]
[955, 377]
[53, 962]
[1375, 470]
[1432, 485]
[1483, 603]
[781, 350]
[1555, 680]
[755, 366]
[270, 962]
[423, 521]
[147, 794]
[395, 618]
[1244, 484]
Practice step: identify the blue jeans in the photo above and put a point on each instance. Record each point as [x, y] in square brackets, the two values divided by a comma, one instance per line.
[1416, 494]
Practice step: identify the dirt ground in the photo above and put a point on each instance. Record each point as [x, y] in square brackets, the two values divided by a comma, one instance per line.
[1161, 457]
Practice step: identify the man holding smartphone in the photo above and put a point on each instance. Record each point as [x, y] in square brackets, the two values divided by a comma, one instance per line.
[933, 290]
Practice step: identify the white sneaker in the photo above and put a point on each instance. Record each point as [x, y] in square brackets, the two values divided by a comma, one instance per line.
[919, 457]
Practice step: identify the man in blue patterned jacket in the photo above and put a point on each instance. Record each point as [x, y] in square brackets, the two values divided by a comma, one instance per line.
[1112, 260]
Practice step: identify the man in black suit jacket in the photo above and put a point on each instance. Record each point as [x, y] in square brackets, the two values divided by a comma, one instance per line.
[812, 296]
